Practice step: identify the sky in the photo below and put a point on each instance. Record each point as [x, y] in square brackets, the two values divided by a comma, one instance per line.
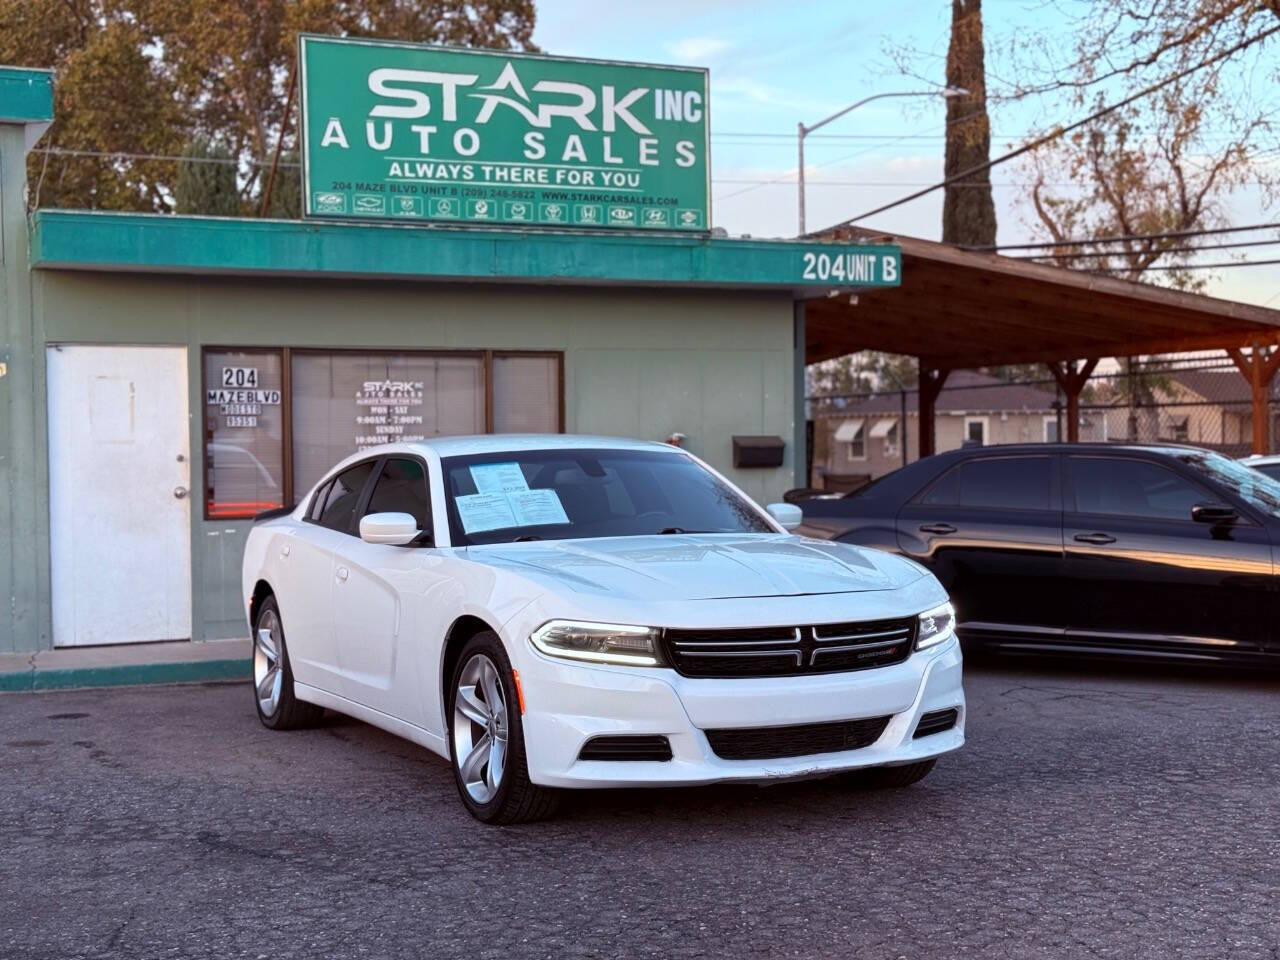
[775, 64]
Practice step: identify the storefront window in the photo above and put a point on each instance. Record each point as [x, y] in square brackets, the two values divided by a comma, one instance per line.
[244, 432]
[346, 402]
[341, 402]
[526, 393]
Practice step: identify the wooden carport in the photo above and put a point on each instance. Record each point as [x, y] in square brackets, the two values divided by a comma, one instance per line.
[957, 309]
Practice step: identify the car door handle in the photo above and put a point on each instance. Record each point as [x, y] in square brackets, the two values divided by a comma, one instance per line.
[1098, 538]
[284, 551]
[942, 529]
[341, 574]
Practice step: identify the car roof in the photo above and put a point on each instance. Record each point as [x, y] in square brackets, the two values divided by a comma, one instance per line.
[517, 442]
[1165, 449]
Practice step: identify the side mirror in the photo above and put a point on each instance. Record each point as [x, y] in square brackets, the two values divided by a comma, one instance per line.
[393, 529]
[1217, 513]
[787, 514]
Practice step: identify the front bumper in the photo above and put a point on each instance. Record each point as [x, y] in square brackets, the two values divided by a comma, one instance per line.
[566, 704]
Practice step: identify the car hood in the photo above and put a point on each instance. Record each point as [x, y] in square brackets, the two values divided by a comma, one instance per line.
[701, 566]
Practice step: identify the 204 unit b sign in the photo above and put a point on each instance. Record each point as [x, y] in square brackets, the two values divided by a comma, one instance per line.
[482, 138]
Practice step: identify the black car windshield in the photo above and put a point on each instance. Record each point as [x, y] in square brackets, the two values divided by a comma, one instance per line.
[574, 494]
[1255, 488]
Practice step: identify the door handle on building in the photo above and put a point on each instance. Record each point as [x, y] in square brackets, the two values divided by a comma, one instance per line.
[180, 492]
[1098, 538]
[341, 574]
[942, 529]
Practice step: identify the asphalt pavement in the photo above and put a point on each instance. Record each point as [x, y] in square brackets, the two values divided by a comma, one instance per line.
[1095, 812]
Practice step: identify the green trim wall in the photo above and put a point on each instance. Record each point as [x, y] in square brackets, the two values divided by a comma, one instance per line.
[137, 242]
[637, 362]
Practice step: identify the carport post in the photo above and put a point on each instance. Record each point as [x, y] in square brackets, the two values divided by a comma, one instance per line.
[1072, 380]
[931, 381]
[1258, 368]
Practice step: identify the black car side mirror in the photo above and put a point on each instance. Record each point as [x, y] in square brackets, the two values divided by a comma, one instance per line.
[1213, 513]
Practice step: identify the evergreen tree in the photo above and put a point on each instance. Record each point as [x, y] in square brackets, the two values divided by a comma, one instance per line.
[206, 181]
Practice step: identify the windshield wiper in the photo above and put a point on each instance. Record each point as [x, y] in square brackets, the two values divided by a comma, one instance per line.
[526, 537]
[666, 530]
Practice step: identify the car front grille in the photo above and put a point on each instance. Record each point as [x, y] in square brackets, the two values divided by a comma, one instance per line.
[788, 651]
[773, 743]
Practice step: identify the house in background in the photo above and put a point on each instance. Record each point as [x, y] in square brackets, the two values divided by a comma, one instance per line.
[862, 439]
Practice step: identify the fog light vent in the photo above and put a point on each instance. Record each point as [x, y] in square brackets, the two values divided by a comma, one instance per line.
[626, 748]
[936, 722]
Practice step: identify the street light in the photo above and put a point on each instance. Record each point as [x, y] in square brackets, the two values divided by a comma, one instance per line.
[947, 92]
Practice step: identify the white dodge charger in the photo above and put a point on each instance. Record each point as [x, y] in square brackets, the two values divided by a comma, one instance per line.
[557, 611]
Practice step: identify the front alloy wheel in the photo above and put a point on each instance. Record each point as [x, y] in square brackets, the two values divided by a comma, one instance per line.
[480, 729]
[486, 738]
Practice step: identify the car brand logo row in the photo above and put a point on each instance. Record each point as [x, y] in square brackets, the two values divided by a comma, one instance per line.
[541, 212]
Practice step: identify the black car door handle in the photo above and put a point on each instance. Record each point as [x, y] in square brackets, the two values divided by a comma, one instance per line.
[1095, 538]
[939, 528]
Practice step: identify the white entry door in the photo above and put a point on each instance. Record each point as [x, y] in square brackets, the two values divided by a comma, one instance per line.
[119, 510]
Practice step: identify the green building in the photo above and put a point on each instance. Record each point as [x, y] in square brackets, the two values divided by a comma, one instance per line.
[164, 378]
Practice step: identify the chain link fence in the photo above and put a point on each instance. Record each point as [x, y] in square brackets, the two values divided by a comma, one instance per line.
[1196, 399]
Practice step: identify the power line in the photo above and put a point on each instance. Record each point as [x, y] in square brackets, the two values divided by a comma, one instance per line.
[1060, 131]
[787, 177]
[1205, 266]
[1165, 251]
[123, 155]
[1122, 237]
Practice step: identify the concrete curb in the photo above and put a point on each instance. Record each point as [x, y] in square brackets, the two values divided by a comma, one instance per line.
[126, 665]
[208, 671]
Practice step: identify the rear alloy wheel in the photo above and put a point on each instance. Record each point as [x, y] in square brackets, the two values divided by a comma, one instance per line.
[273, 676]
[486, 738]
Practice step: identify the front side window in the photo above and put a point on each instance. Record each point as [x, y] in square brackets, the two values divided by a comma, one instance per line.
[577, 494]
[1256, 488]
[1133, 488]
[1008, 483]
[343, 497]
[402, 488]
[243, 432]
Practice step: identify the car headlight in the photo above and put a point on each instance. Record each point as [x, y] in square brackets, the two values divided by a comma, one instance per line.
[598, 642]
[936, 626]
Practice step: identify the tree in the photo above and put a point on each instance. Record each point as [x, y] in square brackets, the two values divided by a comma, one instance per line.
[286, 192]
[968, 211]
[1138, 173]
[1154, 166]
[206, 182]
[139, 78]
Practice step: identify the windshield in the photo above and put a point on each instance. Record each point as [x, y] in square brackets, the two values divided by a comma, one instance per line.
[1248, 484]
[573, 494]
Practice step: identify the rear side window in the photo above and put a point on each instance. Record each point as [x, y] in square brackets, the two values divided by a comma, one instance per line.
[339, 510]
[402, 488]
[1132, 488]
[1009, 483]
[318, 501]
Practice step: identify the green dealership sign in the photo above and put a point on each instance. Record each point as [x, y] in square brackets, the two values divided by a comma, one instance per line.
[443, 135]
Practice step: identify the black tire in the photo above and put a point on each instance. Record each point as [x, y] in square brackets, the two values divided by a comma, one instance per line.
[516, 799]
[895, 778]
[289, 713]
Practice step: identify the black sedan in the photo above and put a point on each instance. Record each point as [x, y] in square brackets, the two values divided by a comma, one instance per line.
[1159, 551]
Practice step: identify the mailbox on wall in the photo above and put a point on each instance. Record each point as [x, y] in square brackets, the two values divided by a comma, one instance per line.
[758, 451]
